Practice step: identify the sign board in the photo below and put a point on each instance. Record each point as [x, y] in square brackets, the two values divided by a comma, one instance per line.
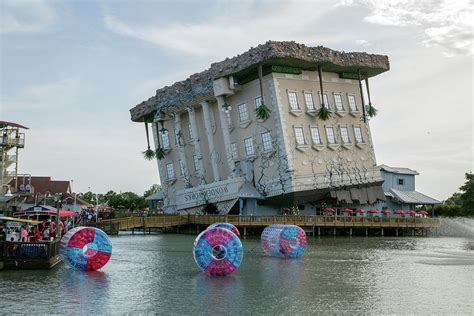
[13, 230]
[211, 193]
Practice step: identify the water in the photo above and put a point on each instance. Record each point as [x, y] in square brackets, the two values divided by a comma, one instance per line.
[157, 274]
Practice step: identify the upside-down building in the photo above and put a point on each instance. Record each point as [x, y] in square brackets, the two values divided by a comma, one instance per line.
[248, 136]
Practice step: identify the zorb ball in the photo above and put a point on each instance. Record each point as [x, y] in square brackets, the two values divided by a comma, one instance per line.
[85, 248]
[285, 241]
[227, 226]
[218, 251]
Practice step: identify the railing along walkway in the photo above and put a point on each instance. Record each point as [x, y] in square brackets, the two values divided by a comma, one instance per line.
[164, 221]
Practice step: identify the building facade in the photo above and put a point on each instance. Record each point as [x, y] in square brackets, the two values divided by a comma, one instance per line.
[399, 189]
[218, 156]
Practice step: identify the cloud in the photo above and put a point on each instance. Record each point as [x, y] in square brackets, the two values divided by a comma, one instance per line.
[220, 36]
[26, 16]
[60, 93]
[363, 43]
[447, 24]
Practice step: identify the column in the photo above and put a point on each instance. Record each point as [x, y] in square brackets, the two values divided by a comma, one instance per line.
[197, 144]
[210, 140]
[226, 136]
[182, 154]
[161, 166]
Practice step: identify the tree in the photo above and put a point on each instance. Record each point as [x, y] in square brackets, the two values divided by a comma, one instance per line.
[152, 190]
[467, 195]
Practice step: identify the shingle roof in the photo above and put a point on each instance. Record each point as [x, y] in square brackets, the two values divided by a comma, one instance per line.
[158, 196]
[413, 197]
[198, 87]
[398, 170]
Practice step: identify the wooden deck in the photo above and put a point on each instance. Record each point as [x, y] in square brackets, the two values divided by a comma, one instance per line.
[165, 221]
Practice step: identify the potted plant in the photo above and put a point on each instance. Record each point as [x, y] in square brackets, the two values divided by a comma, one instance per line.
[159, 153]
[323, 113]
[262, 112]
[371, 111]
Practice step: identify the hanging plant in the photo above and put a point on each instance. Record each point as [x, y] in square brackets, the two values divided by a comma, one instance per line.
[371, 111]
[323, 113]
[160, 153]
[262, 112]
[148, 154]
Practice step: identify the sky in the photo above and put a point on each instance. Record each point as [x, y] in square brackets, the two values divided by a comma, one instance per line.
[71, 71]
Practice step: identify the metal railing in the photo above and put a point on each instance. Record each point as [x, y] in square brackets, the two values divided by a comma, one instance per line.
[41, 250]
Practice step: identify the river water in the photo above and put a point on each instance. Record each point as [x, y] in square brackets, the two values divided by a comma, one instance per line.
[157, 274]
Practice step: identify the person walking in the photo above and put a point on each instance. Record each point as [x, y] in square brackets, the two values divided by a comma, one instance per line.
[23, 234]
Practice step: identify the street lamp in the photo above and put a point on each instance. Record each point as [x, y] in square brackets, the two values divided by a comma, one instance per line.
[46, 196]
[74, 207]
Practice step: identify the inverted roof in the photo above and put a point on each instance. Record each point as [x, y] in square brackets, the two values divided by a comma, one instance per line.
[398, 170]
[413, 197]
[198, 87]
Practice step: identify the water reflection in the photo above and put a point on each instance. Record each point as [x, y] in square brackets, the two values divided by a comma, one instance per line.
[214, 293]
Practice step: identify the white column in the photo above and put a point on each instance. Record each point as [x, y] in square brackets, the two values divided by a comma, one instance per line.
[182, 154]
[161, 166]
[197, 144]
[226, 136]
[210, 140]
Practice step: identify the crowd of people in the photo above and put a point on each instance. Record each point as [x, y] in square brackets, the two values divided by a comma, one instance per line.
[46, 230]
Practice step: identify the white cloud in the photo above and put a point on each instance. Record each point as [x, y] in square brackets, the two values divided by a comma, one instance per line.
[446, 23]
[60, 93]
[221, 36]
[363, 43]
[26, 16]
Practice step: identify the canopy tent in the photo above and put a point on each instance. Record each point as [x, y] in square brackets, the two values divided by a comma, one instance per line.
[20, 220]
[347, 210]
[53, 212]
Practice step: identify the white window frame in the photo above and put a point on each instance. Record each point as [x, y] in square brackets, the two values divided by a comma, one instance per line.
[352, 105]
[170, 175]
[191, 136]
[182, 168]
[330, 128]
[299, 136]
[234, 151]
[267, 141]
[228, 115]
[361, 140]
[258, 101]
[309, 101]
[291, 104]
[165, 136]
[343, 134]
[319, 141]
[243, 113]
[249, 144]
[196, 163]
[339, 105]
[326, 99]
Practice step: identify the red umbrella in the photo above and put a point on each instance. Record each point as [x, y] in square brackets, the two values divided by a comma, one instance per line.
[410, 212]
[386, 211]
[399, 212]
[359, 210]
[373, 211]
[347, 210]
[328, 209]
[423, 212]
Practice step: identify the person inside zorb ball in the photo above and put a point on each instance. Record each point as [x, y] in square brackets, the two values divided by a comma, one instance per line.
[218, 251]
[85, 248]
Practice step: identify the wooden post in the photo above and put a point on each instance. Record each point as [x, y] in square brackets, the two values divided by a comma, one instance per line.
[350, 231]
[366, 232]
[133, 231]
[396, 231]
[334, 231]
[245, 231]
[314, 230]
[381, 232]
[319, 231]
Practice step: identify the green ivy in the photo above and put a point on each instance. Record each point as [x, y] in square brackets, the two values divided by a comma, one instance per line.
[371, 111]
[148, 154]
[160, 153]
[323, 113]
[262, 112]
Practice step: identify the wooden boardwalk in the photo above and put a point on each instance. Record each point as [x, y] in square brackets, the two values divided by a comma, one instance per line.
[166, 221]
